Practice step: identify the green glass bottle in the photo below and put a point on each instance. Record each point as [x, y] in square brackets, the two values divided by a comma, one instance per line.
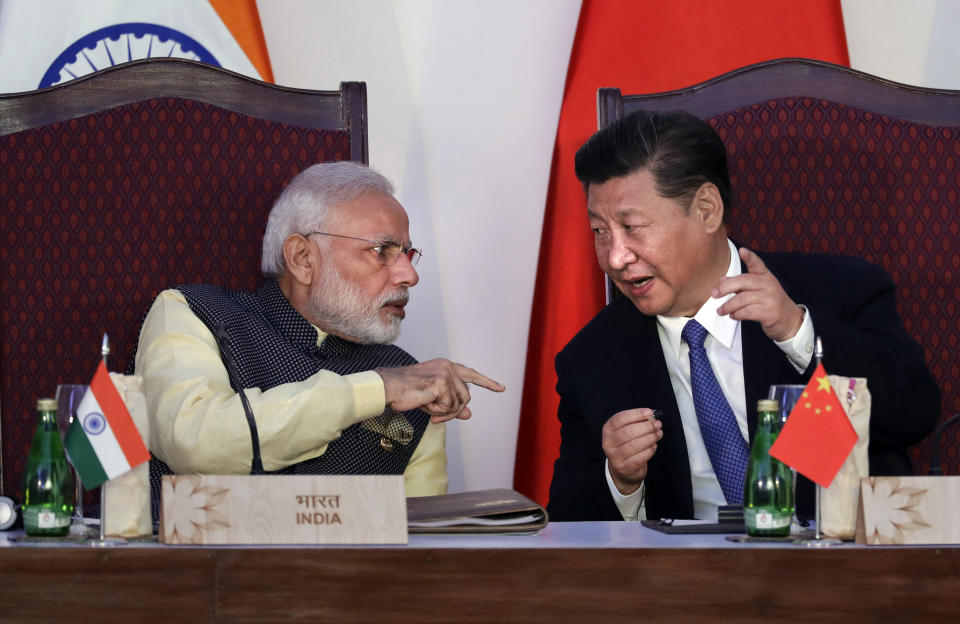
[768, 489]
[48, 492]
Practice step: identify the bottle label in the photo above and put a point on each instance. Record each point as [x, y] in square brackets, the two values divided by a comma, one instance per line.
[45, 519]
[765, 519]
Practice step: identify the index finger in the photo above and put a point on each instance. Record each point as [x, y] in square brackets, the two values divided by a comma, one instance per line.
[752, 260]
[468, 375]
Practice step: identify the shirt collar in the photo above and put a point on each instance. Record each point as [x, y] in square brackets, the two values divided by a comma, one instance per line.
[722, 328]
[321, 335]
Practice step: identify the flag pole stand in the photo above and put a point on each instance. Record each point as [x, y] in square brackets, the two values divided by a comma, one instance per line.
[818, 541]
[103, 542]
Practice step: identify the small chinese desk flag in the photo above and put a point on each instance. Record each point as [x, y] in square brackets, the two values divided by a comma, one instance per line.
[103, 441]
[818, 436]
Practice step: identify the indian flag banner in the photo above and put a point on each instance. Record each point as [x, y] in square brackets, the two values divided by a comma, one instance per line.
[51, 42]
[103, 441]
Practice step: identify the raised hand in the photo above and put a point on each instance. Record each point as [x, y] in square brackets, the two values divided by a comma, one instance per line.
[760, 297]
[438, 387]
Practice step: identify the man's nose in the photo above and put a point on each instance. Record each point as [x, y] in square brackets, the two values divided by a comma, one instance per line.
[619, 253]
[403, 273]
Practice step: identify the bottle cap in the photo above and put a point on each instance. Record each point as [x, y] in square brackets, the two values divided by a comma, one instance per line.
[46, 405]
[768, 405]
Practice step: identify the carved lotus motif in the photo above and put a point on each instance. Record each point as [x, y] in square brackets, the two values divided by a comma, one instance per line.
[196, 509]
[894, 511]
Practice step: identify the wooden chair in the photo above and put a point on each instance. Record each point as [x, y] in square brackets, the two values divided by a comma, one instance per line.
[830, 160]
[128, 181]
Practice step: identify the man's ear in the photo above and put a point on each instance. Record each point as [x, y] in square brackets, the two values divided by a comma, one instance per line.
[708, 207]
[300, 258]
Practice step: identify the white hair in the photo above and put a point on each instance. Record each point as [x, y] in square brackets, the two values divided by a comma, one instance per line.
[304, 205]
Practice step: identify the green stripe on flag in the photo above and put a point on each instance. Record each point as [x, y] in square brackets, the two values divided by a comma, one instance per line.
[83, 456]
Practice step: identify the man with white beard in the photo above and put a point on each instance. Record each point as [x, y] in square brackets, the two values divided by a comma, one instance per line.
[310, 349]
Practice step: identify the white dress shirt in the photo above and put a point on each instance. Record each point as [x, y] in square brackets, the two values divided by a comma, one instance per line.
[725, 352]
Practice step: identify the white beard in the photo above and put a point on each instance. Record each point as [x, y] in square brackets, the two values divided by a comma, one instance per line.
[343, 308]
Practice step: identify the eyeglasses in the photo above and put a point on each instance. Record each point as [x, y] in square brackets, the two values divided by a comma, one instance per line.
[388, 251]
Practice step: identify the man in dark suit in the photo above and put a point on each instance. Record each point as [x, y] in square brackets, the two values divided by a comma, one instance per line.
[702, 330]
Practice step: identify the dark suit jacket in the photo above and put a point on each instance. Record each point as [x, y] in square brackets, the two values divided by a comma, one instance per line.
[616, 363]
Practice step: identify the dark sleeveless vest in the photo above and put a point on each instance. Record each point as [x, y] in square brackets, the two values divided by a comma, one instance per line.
[272, 344]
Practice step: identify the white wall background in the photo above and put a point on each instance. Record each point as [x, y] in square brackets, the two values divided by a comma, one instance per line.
[915, 42]
[463, 101]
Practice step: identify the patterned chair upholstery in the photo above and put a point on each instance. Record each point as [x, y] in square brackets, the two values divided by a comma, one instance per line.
[826, 159]
[128, 181]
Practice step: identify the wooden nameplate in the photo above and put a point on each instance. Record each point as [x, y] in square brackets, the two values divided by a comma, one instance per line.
[909, 510]
[283, 509]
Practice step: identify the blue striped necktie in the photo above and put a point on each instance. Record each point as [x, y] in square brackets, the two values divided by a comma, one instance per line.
[726, 447]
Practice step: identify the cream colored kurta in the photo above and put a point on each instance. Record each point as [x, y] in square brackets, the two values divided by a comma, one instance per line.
[197, 423]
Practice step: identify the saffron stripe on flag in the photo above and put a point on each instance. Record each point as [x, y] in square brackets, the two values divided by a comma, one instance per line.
[115, 411]
[242, 19]
[83, 456]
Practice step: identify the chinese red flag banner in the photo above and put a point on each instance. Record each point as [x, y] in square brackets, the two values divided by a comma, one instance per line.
[818, 436]
[640, 47]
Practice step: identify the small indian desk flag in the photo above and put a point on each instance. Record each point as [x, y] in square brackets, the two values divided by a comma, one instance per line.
[103, 440]
[818, 436]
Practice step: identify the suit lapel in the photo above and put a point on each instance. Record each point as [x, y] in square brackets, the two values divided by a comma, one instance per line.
[669, 475]
[764, 364]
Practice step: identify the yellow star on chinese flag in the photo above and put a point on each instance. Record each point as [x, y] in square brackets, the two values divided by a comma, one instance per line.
[822, 382]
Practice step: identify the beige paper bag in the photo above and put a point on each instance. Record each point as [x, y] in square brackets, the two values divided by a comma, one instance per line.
[127, 497]
[838, 503]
